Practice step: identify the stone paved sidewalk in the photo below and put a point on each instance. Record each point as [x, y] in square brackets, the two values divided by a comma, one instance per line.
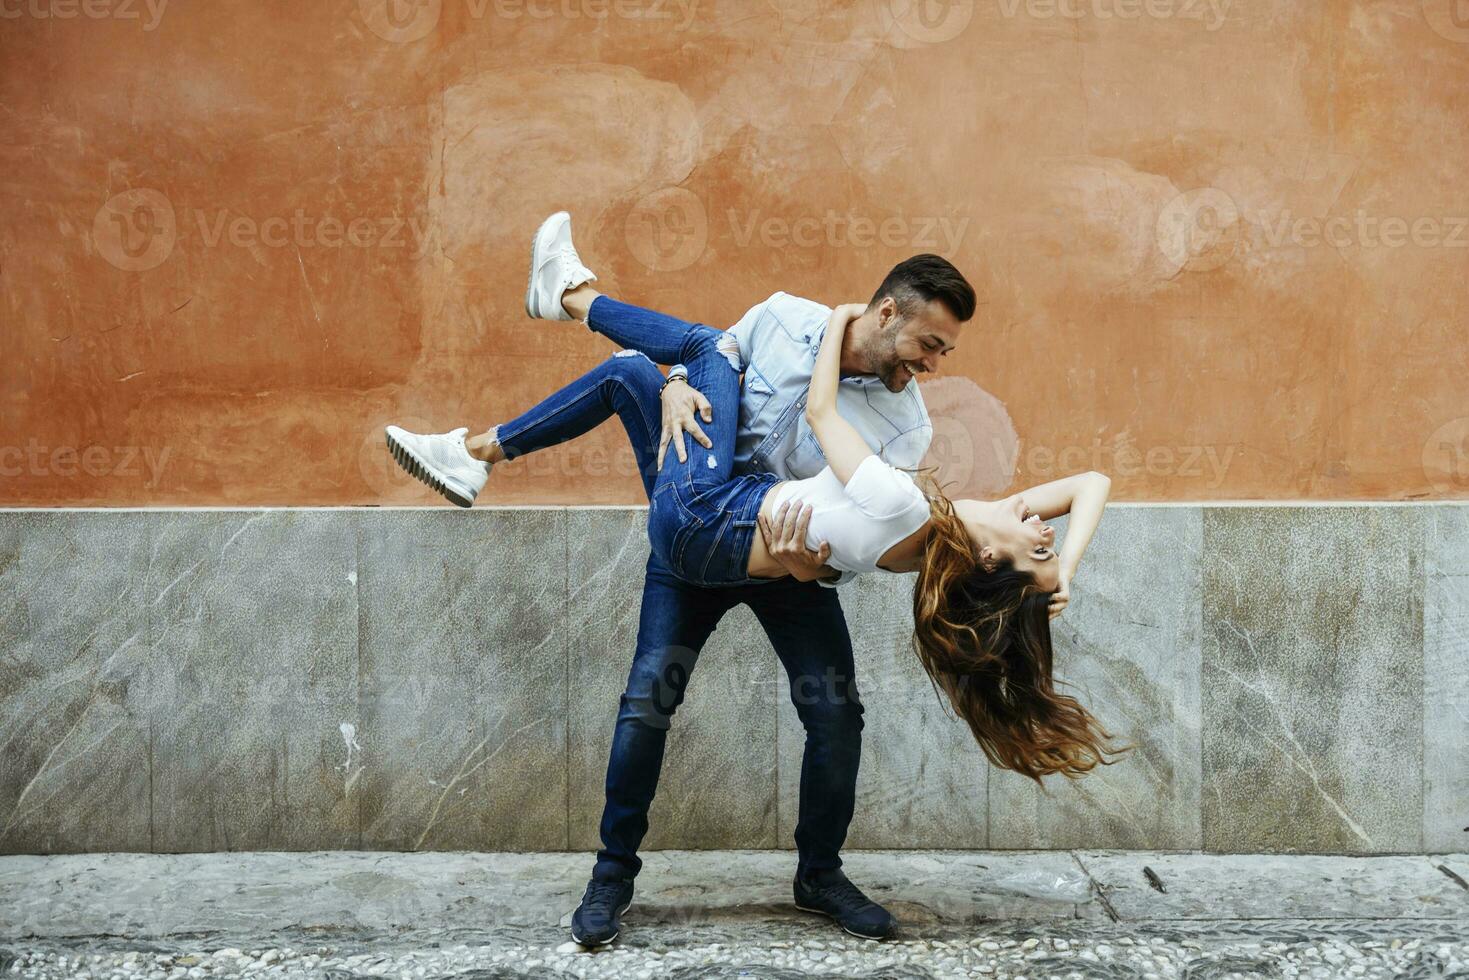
[1112, 914]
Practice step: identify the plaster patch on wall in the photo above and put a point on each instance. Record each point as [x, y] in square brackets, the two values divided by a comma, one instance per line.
[975, 446]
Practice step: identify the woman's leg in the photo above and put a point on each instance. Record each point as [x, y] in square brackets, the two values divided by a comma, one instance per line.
[666, 339]
[626, 384]
[711, 356]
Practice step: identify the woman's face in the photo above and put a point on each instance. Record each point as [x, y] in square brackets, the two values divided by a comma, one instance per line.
[1006, 529]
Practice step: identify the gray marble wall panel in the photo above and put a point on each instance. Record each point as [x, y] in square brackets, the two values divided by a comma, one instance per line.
[463, 679]
[1295, 678]
[252, 630]
[718, 778]
[1128, 649]
[1313, 679]
[74, 741]
[922, 782]
[1446, 682]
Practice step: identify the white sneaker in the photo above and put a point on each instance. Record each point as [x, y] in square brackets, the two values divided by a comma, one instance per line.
[441, 461]
[554, 268]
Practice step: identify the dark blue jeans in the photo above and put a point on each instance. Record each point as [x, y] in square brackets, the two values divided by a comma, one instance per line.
[701, 519]
[701, 522]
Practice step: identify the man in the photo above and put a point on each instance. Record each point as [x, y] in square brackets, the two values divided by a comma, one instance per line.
[913, 320]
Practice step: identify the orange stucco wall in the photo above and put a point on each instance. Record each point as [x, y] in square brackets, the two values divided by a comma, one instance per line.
[1221, 246]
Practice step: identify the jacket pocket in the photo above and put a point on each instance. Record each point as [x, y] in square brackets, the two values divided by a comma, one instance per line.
[757, 393]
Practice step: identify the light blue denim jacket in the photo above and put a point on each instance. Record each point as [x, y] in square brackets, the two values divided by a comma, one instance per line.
[779, 339]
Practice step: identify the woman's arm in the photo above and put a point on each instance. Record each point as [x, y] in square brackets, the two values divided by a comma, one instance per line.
[1083, 496]
[843, 446]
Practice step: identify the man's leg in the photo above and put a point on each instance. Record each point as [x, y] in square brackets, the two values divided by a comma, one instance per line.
[806, 627]
[675, 621]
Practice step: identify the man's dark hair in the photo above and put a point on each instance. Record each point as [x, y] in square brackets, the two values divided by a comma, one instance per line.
[927, 277]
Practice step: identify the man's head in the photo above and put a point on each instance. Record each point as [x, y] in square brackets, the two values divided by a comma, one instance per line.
[919, 308]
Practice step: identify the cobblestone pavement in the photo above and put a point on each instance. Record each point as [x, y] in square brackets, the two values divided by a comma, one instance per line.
[1088, 914]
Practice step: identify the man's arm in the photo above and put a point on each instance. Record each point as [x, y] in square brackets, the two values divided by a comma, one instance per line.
[785, 539]
[682, 402]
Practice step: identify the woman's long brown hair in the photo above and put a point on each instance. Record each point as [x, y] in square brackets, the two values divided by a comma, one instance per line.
[984, 637]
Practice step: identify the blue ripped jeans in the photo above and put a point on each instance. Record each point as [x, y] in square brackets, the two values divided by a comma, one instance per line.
[701, 519]
[701, 523]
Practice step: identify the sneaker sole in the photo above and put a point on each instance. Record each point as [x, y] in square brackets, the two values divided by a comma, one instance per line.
[581, 942]
[421, 471]
[859, 935]
[532, 310]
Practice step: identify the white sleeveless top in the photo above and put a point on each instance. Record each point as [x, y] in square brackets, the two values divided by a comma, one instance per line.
[879, 507]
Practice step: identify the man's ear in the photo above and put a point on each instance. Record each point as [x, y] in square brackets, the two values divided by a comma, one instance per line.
[887, 309]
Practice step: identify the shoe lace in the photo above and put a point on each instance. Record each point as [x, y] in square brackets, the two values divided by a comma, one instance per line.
[602, 894]
[848, 893]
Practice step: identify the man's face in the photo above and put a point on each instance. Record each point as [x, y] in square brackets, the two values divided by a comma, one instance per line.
[905, 346]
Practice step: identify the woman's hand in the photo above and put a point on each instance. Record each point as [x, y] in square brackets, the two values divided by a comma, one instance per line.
[785, 539]
[1061, 598]
[680, 401]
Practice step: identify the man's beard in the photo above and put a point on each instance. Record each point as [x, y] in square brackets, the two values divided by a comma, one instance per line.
[883, 355]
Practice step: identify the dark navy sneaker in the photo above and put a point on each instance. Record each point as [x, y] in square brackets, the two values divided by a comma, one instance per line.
[599, 917]
[830, 892]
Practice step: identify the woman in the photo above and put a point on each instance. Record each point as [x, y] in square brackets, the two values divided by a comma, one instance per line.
[988, 577]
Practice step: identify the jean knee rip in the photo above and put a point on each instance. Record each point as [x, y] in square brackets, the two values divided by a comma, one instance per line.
[730, 347]
[629, 353]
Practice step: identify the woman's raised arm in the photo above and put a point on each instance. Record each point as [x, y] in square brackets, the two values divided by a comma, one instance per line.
[843, 446]
[1083, 496]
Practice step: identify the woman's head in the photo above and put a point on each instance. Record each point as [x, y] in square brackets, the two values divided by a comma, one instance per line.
[1006, 532]
[981, 629]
